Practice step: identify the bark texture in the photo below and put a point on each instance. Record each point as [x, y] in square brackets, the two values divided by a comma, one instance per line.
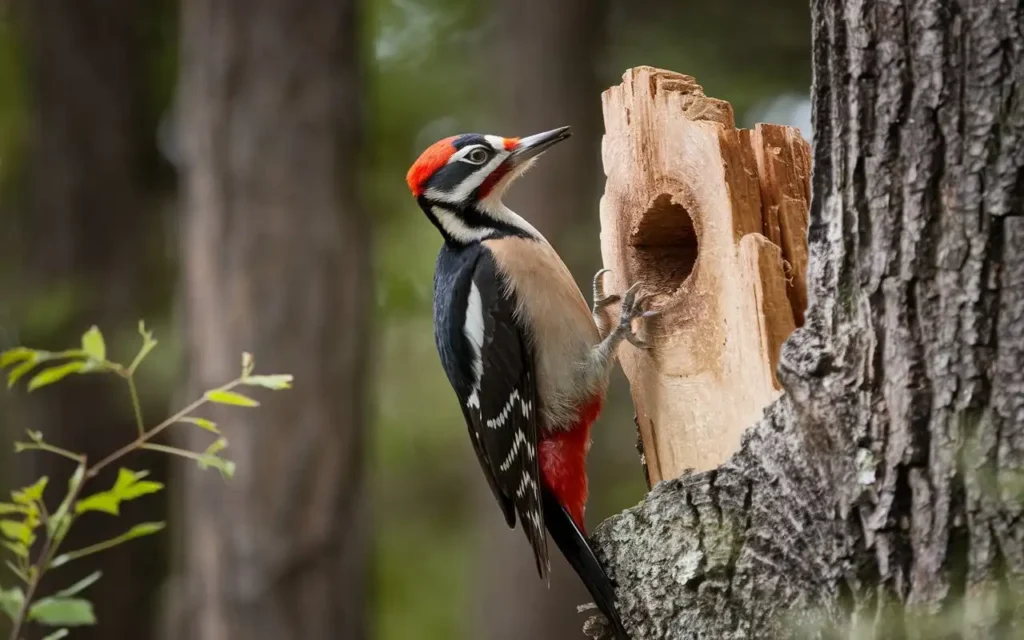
[882, 494]
[276, 248]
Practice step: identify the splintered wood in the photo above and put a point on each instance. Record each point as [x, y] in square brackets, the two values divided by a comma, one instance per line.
[714, 220]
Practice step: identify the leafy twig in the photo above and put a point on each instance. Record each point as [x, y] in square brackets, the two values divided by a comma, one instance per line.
[62, 608]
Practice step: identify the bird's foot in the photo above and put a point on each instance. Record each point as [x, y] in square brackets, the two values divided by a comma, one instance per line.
[600, 299]
[633, 307]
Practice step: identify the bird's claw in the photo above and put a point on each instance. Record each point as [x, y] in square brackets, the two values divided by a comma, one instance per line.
[600, 299]
[633, 307]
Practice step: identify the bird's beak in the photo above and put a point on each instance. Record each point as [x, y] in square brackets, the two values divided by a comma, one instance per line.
[530, 147]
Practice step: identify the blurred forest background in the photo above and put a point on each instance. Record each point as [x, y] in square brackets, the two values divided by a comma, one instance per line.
[232, 171]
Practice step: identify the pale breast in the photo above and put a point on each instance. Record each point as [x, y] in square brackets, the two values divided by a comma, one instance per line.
[550, 303]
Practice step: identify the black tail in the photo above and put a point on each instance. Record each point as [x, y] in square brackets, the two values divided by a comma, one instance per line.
[577, 551]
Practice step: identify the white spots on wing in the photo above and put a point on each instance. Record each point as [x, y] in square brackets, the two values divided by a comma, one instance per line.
[534, 517]
[533, 514]
[518, 443]
[526, 483]
[506, 411]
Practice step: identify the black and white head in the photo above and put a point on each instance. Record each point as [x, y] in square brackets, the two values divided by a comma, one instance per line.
[459, 183]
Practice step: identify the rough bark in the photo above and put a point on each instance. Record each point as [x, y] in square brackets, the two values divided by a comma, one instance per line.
[548, 79]
[881, 494]
[81, 244]
[276, 247]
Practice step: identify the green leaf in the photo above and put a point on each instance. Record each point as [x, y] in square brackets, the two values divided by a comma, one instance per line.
[94, 345]
[128, 486]
[20, 370]
[138, 531]
[55, 611]
[148, 343]
[226, 467]
[17, 531]
[55, 374]
[8, 508]
[104, 501]
[209, 425]
[57, 635]
[142, 529]
[276, 381]
[209, 458]
[11, 601]
[230, 397]
[79, 586]
[15, 355]
[17, 548]
[32, 493]
[216, 447]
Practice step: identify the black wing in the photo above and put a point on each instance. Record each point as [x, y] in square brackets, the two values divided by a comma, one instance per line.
[497, 390]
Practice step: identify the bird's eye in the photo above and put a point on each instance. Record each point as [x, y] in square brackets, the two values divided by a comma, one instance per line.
[477, 156]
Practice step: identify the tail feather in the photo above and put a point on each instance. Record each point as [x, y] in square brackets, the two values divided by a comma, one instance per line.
[577, 551]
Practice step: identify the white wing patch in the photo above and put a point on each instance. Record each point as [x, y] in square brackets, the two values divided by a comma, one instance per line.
[474, 330]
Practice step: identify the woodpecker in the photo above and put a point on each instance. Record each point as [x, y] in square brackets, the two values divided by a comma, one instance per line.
[527, 358]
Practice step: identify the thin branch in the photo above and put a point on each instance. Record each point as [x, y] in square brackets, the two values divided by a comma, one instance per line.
[136, 406]
[43, 446]
[175, 451]
[146, 436]
[50, 546]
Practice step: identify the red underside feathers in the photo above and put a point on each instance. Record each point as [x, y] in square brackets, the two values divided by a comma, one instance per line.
[563, 462]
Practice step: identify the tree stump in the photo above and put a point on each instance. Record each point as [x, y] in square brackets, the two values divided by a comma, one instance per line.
[713, 219]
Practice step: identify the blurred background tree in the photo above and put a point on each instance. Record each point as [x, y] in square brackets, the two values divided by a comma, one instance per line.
[300, 125]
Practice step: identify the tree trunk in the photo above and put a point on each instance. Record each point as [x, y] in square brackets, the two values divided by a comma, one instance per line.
[545, 57]
[83, 237]
[277, 263]
[881, 495]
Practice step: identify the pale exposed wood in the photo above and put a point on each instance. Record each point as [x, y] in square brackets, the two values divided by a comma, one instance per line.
[713, 219]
